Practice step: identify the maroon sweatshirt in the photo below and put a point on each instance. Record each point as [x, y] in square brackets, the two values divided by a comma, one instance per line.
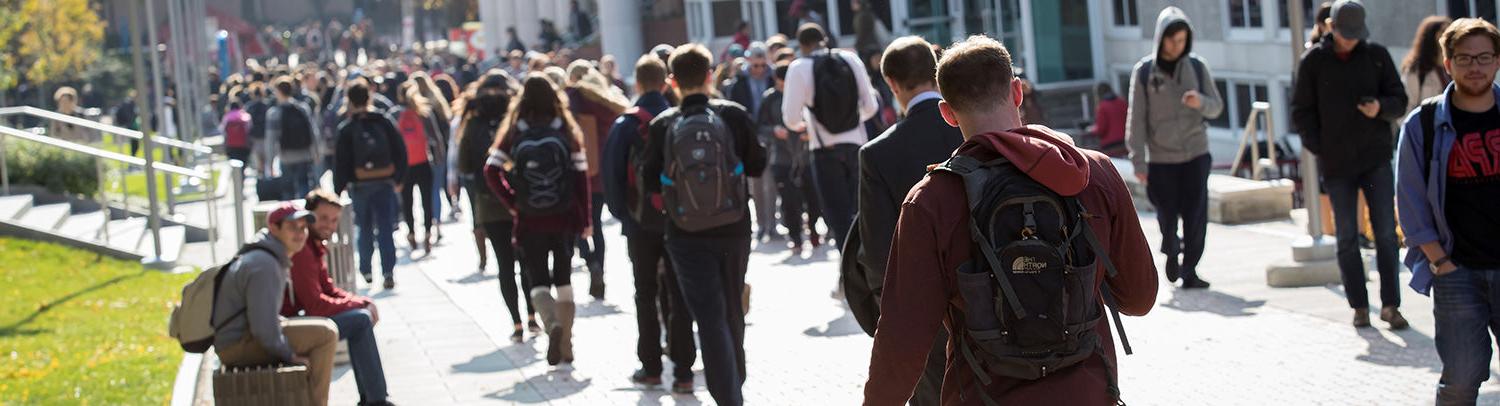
[566, 222]
[316, 294]
[932, 240]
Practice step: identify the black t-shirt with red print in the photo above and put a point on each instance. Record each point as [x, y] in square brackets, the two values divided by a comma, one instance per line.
[1473, 200]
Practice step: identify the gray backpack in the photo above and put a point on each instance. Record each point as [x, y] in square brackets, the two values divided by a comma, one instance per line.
[703, 179]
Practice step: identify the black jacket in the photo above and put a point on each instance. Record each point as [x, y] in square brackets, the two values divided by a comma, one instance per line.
[1326, 113]
[751, 153]
[889, 166]
[741, 92]
[343, 157]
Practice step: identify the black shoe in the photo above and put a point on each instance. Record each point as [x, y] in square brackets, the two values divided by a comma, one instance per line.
[533, 327]
[1173, 270]
[682, 387]
[389, 283]
[596, 280]
[1366, 243]
[1195, 283]
[369, 279]
[518, 336]
[641, 378]
[1361, 318]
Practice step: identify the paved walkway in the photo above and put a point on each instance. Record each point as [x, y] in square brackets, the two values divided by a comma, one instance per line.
[444, 337]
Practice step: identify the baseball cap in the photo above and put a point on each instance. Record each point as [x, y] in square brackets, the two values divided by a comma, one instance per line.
[288, 211]
[1349, 19]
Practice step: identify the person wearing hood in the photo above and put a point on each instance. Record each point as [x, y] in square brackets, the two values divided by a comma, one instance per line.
[251, 330]
[1172, 94]
[1347, 95]
[982, 98]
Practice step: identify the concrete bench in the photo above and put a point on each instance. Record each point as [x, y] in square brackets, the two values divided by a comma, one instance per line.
[1231, 200]
[265, 385]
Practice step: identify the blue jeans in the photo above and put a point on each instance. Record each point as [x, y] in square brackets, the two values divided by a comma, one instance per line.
[1380, 194]
[358, 328]
[302, 178]
[836, 175]
[375, 207]
[711, 273]
[1464, 306]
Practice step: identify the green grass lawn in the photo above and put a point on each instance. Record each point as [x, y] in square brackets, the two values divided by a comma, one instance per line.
[76, 328]
[135, 182]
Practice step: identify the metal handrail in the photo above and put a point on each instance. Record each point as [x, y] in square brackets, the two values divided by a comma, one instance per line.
[1249, 138]
[96, 126]
[99, 153]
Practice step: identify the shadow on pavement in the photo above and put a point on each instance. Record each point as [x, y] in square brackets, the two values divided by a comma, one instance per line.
[560, 384]
[1414, 350]
[472, 279]
[1212, 301]
[845, 325]
[495, 361]
[596, 308]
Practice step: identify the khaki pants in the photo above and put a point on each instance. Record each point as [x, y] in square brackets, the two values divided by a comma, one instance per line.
[313, 337]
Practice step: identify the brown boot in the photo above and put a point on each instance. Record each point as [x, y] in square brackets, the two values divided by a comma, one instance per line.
[1391, 314]
[566, 309]
[1361, 318]
[546, 307]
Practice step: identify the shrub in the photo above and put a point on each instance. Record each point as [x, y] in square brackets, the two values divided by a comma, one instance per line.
[58, 170]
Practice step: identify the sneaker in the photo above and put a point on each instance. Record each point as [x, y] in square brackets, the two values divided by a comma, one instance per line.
[389, 283]
[1173, 270]
[640, 378]
[1195, 283]
[369, 279]
[532, 326]
[518, 336]
[682, 387]
[1361, 318]
[1391, 314]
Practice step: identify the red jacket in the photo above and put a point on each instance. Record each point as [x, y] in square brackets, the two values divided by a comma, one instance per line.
[1110, 120]
[932, 240]
[315, 294]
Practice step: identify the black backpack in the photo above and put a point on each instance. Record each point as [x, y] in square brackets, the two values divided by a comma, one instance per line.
[644, 207]
[703, 180]
[296, 127]
[257, 110]
[372, 148]
[1030, 303]
[544, 172]
[835, 93]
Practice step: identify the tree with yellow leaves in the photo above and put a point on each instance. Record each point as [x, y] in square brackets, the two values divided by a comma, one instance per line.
[54, 40]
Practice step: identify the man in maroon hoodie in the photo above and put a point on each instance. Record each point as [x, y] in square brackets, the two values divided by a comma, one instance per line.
[982, 98]
[314, 295]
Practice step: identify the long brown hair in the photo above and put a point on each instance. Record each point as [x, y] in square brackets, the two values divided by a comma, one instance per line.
[411, 98]
[539, 103]
[1425, 53]
[467, 105]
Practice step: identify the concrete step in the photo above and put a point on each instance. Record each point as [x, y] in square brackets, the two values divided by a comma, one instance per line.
[126, 234]
[83, 226]
[12, 207]
[46, 218]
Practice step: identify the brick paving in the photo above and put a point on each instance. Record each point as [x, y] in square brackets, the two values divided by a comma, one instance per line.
[444, 337]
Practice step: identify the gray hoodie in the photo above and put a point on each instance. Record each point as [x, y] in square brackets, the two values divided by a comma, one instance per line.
[1159, 128]
[255, 283]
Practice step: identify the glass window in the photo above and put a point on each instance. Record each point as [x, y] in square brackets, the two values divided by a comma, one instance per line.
[1010, 31]
[1063, 45]
[929, 19]
[1472, 8]
[727, 17]
[979, 16]
[1244, 14]
[1308, 14]
[1223, 120]
[1125, 13]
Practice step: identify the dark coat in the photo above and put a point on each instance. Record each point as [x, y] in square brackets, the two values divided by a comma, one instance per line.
[1326, 113]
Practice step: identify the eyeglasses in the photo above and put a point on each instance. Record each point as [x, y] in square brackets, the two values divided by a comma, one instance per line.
[1466, 60]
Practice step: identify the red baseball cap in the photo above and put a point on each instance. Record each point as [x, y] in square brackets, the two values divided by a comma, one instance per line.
[288, 211]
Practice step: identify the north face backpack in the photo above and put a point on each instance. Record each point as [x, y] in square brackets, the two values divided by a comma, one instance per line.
[703, 180]
[1030, 303]
[296, 127]
[372, 150]
[192, 319]
[644, 207]
[835, 93]
[544, 172]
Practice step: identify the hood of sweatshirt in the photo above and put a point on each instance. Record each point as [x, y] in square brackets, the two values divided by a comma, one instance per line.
[264, 240]
[1169, 16]
[1047, 156]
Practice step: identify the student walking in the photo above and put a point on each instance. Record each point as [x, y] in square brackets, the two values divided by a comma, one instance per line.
[419, 131]
[369, 160]
[1172, 93]
[484, 108]
[1347, 93]
[1446, 195]
[789, 160]
[538, 169]
[706, 199]
[291, 136]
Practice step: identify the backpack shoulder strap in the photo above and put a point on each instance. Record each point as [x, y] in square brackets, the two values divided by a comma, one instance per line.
[1102, 256]
[1427, 116]
[975, 176]
[1198, 69]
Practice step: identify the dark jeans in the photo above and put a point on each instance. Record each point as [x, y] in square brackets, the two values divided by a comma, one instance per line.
[797, 197]
[593, 251]
[656, 287]
[1180, 191]
[238, 154]
[302, 180]
[1379, 185]
[711, 273]
[836, 173]
[499, 233]
[375, 205]
[1465, 308]
[419, 175]
[534, 249]
[357, 327]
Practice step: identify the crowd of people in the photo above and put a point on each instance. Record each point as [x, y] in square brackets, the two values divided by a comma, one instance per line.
[986, 257]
